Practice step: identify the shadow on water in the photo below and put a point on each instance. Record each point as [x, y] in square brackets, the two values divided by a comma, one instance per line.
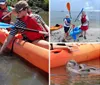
[16, 71]
[60, 76]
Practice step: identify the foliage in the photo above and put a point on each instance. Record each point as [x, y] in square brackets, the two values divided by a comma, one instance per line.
[44, 4]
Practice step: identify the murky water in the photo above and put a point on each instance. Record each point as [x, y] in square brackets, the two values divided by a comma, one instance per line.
[59, 76]
[16, 71]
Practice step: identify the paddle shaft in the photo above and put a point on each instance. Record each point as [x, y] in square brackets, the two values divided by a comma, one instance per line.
[78, 14]
[6, 15]
[32, 30]
[5, 25]
[70, 14]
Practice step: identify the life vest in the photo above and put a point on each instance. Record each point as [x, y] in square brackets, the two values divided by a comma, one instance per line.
[32, 24]
[68, 20]
[7, 19]
[83, 19]
[39, 20]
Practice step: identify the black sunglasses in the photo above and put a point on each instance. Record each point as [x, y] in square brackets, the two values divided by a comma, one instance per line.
[22, 9]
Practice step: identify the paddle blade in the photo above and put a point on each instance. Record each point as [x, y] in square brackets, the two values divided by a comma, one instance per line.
[5, 25]
[68, 6]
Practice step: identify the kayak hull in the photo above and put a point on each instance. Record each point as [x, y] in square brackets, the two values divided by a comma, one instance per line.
[36, 55]
[86, 52]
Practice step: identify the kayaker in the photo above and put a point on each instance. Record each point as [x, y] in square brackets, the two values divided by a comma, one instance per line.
[4, 11]
[25, 21]
[84, 24]
[67, 23]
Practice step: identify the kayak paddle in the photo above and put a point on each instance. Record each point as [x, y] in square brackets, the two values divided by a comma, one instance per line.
[5, 25]
[6, 15]
[68, 7]
[79, 14]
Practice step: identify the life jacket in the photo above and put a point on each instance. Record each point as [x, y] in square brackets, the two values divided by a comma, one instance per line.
[7, 19]
[83, 19]
[32, 24]
[39, 20]
[68, 20]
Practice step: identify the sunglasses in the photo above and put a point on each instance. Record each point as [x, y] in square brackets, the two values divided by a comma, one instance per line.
[22, 9]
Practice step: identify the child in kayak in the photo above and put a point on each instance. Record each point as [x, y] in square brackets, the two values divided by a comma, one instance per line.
[23, 20]
[67, 23]
[4, 11]
[84, 24]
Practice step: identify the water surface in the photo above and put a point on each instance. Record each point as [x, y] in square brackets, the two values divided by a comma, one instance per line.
[16, 71]
[60, 76]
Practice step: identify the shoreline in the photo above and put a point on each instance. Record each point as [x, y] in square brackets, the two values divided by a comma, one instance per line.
[93, 35]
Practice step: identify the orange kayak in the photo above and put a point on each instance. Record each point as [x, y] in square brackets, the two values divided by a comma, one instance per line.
[55, 27]
[36, 55]
[85, 52]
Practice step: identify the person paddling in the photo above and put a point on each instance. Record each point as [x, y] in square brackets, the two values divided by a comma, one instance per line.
[23, 20]
[67, 23]
[84, 24]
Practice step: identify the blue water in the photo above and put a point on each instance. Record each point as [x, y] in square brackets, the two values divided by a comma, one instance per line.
[56, 17]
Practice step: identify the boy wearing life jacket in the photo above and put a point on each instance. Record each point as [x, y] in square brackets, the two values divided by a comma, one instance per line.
[25, 21]
[67, 23]
[84, 24]
[3, 12]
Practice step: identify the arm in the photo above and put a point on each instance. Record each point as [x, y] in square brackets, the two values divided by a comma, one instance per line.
[6, 42]
[66, 22]
[12, 33]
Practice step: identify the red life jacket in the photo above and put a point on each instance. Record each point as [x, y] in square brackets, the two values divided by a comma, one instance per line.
[32, 24]
[7, 19]
[83, 19]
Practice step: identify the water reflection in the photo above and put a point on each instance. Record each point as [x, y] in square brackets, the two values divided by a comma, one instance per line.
[15, 71]
[59, 76]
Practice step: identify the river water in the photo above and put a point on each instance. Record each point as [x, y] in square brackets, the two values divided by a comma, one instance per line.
[16, 71]
[60, 76]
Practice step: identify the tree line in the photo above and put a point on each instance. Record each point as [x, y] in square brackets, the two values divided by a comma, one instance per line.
[34, 4]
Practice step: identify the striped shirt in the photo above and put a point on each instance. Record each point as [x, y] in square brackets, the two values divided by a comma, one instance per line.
[19, 24]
